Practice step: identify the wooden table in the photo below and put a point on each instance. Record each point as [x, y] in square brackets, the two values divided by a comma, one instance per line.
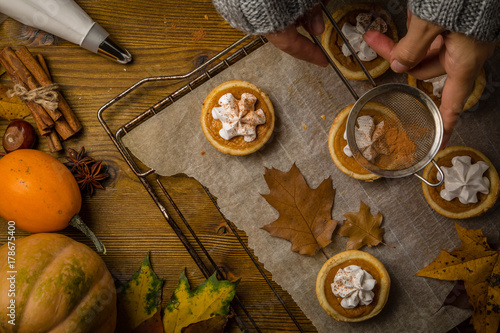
[165, 38]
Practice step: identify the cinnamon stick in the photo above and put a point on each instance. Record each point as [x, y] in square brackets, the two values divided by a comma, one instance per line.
[43, 79]
[24, 74]
[41, 60]
[53, 142]
[42, 119]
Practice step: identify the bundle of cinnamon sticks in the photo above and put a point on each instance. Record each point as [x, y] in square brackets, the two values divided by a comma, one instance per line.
[31, 72]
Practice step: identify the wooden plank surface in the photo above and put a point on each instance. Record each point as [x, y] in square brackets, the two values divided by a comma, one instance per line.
[165, 38]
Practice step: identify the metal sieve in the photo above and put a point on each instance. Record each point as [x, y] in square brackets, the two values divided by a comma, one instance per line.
[413, 120]
[408, 111]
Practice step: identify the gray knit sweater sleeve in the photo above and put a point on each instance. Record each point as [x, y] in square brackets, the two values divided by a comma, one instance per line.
[479, 19]
[259, 17]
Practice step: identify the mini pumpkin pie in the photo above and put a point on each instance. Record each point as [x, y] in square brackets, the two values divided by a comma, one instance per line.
[470, 186]
[237, 118]
[434, 88]
[373, 122]
[354, 20]
[353, 286]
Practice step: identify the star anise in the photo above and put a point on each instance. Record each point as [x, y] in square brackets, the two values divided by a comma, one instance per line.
[86, 170]
[91, 177]
[77, 159]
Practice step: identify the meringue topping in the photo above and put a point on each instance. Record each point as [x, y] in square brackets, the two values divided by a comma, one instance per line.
[354, 34]
[367, 135]
[437, 84]
[354, 285]
[464, 180]
[238, 117]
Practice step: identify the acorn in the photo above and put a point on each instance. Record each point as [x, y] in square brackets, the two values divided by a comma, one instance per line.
[18, 135]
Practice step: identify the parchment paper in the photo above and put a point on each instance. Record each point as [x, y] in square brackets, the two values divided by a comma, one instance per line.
[172, 142]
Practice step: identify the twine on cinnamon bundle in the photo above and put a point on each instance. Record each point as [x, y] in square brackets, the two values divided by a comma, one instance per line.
[46, 96]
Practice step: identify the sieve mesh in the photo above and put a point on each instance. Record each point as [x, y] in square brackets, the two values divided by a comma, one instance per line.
[411, 132]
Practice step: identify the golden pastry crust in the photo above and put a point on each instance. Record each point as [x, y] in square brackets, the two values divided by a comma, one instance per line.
[236, 146]
[376, 269]
[477, 91]
[454, 209]
[333, 43]
[336, 144]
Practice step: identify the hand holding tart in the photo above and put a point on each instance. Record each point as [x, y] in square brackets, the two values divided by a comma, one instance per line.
[237, 118]
[353, 286]
[354, 20]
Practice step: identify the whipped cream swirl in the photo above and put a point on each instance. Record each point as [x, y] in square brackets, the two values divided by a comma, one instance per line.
[437, 84]
[464, 180]
[354, 285]
[366, 135]
[354, 34]
[238, 117]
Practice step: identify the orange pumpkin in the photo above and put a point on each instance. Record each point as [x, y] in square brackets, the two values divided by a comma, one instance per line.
[37, 191]
[59, 285]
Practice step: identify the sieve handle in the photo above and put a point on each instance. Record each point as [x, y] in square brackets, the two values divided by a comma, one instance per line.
[427, 182]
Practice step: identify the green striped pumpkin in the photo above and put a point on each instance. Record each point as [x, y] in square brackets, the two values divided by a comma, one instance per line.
[60, 285]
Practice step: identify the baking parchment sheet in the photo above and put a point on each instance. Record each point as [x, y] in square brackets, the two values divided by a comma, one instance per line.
[306, 99]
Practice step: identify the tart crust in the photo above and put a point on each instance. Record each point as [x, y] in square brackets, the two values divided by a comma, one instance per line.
[331, 304]
[237, 145]
[477, 91]
[332, 42]
[454, 209]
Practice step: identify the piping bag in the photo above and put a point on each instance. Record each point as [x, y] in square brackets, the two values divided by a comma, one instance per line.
[64, 18]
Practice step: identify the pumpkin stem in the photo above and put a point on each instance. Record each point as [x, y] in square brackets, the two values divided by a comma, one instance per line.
[78, 223]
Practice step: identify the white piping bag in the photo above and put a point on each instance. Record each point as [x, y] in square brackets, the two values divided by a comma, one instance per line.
[64, 18]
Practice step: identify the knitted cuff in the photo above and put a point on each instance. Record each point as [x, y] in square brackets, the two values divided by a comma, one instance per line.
[258, 17]
[479, 19]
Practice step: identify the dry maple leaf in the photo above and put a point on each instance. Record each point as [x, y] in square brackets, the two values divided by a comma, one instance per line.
[304, 213]
[475, 263]
[362, 228]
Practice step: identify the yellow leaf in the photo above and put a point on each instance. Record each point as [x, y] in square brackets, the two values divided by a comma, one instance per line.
[2, 70]
[12, 108]
[211, 298]
[141, 297]
[475, 263]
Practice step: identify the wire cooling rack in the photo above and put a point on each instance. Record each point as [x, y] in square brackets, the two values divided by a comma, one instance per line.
[202, 74]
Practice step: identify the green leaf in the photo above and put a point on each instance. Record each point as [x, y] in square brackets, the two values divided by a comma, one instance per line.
[140, 298]
[211, 298]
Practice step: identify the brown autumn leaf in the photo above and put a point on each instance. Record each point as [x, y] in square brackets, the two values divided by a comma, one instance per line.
[304, 213]
[362, 228]
[150, 325]
[212, 325]
[12, 107]
[477, 264]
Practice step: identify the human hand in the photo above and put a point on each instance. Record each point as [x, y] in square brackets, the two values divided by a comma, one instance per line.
[428, 51]
[296, 44]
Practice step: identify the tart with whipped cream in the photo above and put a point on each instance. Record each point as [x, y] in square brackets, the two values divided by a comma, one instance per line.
[434, 88]
[354, 20]
[470, 186]
[371, 126]
[237, 118]
[352, 286]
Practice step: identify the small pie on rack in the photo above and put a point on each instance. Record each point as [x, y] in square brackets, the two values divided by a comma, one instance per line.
[359, 18]
[428, 87]
[247, 113]
[339, 299]
[468, 162]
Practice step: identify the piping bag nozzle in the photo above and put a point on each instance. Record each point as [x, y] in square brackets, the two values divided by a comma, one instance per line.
[98, 41]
